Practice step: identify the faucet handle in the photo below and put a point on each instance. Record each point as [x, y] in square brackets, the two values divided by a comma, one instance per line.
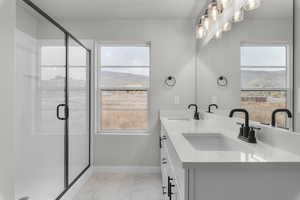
[255, 128]
[241, 124]
[241, 129]
[251, 136]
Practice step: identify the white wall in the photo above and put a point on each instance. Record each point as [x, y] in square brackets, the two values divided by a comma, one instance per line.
[7, 22]
[173, 51]
[222, 57]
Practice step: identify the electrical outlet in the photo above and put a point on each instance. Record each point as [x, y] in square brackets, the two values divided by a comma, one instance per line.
[176, 100]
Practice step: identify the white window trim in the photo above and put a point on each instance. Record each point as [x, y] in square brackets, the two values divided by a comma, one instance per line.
[289, 84]
[98, 94]
[123, 66]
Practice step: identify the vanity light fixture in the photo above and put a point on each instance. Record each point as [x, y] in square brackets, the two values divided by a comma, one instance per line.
[219, 16]
[219, 31]
[200, 31]
[205, 19]
[225, 3]
[252, 4]
[227, 26]
[238, 15]
[213, 10]
[219, 34]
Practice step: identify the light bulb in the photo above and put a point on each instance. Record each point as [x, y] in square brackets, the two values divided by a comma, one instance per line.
[227, 26]
[238, 15]
[225, 3]
[213, 10]
[206, 21]
[252, 4]
[214, 13]
[200, 31]
[219, 34]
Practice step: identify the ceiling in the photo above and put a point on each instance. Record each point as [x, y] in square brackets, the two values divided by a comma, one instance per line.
[121, 9]
[150, 9]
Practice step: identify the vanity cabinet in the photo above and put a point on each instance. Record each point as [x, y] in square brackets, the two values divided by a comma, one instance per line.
[232, 176]
[174, 177]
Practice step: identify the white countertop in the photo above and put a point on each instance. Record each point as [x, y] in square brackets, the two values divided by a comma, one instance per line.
[190, 157]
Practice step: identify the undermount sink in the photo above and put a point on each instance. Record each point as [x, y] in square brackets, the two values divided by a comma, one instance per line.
[213, 142]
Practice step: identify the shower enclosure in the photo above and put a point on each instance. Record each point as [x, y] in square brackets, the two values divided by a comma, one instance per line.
[52, 106]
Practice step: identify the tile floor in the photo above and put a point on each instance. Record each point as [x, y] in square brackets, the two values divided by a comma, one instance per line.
[121, 186]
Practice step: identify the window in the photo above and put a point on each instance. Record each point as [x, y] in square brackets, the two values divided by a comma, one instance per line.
[123, 87]
[265, 81]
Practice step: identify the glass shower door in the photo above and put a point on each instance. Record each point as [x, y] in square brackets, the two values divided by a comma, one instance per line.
[78, 101]
[52, 106]
[40, 88]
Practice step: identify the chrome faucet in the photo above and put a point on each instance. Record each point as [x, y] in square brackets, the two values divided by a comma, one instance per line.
[196, 114]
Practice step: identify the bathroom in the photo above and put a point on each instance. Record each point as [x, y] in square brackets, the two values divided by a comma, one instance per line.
[125, 100]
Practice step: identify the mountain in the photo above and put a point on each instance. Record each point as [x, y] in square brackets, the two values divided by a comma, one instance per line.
[116, 79]
[109, 79]
[263, 79]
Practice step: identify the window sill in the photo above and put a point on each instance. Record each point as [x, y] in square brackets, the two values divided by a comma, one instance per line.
[120, 133]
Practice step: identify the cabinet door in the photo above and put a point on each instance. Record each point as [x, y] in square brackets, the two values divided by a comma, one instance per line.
[164, 184]
[163, 155]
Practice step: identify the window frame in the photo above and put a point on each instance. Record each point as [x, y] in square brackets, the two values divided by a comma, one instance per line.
[99, 90]
[289, 73]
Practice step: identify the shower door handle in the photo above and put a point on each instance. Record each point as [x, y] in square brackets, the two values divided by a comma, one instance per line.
[58, 112]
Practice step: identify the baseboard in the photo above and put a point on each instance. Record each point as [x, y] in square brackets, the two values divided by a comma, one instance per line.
[127, 169]
[69, 195]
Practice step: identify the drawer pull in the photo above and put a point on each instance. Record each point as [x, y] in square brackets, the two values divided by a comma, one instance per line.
[164, 161]
[170, 186]
[161, 138]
